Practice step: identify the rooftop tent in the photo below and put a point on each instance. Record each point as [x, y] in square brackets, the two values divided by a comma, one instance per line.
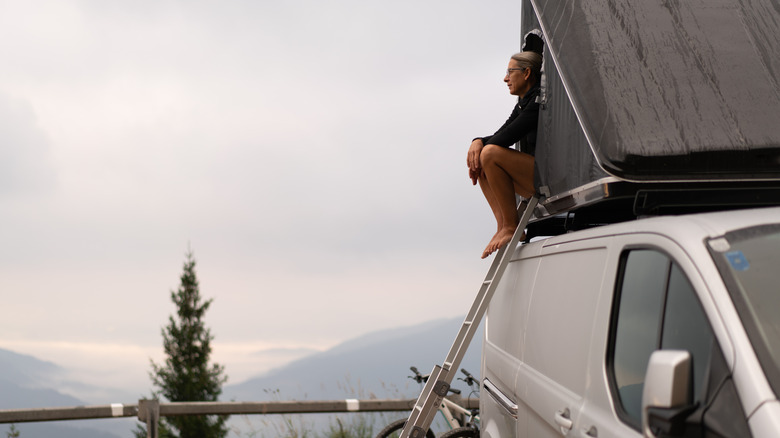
[658, 90]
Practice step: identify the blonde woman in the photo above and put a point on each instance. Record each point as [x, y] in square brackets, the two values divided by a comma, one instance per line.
[500, 171]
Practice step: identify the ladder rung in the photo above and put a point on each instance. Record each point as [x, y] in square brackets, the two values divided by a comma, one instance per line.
[487, 282]
[468, 322]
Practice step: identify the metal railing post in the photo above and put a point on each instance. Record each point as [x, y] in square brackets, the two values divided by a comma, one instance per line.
[149, 412]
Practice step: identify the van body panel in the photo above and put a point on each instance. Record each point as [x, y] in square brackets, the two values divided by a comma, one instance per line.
[545, 399]
[752, 384]
[501, 371]
[765, 422]
[597, 414]
[714, 298]
[496, 423]
[552, 343]
[560, 319]
[507, 330]
[504, 339]
[555, 304]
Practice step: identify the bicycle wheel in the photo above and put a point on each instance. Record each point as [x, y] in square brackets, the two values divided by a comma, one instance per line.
[461, 432]
[393, 430]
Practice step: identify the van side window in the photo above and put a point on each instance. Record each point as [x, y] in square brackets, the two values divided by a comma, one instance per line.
[686, 327]
[655, 307]
[641, 293]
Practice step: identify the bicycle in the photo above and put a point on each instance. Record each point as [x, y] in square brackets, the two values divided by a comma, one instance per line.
[463, 423]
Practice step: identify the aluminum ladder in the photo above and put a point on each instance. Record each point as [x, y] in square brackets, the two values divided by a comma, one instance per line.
[441, 377]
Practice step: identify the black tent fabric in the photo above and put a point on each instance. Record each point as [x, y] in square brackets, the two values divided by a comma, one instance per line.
[564, 160]
[659, 90]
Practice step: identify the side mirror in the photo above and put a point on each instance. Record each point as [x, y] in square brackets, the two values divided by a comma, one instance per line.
[667, 393]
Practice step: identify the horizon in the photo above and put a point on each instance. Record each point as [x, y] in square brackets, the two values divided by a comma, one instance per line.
[72, 380]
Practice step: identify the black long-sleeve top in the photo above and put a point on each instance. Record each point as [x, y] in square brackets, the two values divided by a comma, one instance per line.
[521, 125]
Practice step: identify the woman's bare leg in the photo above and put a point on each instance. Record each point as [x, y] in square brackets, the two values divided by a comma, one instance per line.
[506, 172]
[491, 199]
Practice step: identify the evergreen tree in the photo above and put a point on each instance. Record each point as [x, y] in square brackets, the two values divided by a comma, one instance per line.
[13, 432]
[186, 374]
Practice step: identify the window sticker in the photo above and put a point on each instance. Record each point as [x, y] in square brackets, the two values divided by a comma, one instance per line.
[737, 260]
[720, 244]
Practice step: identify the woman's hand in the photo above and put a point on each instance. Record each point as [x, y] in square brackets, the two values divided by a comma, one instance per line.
[472, 160]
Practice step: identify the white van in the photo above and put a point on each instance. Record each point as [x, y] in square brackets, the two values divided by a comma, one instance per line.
[653, 311]
[666, 326]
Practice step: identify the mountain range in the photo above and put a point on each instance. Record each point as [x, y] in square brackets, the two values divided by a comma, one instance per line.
[27, 382]
[374, 365]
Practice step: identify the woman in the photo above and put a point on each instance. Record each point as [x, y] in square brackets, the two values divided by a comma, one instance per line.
[501, 171]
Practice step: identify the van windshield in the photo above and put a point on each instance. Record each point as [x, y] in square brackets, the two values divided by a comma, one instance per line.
[749, 261]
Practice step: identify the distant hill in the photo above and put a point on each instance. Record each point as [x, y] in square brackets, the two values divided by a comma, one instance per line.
[26, 382]
[373, 365]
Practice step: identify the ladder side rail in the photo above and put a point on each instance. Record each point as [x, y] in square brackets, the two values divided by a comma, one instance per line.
[425, 408]
[440, 378]
[478, 309]
[421, 411]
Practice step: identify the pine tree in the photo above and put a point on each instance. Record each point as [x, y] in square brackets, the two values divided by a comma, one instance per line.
[13, 432]
[186, 374]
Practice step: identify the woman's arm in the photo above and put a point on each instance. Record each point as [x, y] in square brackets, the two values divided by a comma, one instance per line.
[517, 127]
[472, 159]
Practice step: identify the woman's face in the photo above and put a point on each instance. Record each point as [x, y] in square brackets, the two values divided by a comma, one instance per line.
[517, 79]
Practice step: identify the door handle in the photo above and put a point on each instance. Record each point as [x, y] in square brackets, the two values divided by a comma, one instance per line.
[563, 420]
[592, 432]
[500, 397]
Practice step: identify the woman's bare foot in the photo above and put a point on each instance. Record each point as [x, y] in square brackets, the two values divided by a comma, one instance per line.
[501, 238]
[488, 249]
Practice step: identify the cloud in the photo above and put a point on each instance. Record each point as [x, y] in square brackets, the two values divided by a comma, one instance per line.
[25, 155]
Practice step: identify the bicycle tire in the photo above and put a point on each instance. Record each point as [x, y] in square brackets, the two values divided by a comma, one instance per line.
[461, 432]
[396, 427]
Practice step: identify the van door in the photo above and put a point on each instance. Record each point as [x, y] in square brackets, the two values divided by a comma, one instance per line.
[552, 379]
[503, 346]
[653, 304]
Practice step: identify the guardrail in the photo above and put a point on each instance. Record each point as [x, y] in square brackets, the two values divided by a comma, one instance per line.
[149, 411]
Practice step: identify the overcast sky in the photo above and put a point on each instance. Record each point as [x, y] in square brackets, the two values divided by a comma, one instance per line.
[311, 153]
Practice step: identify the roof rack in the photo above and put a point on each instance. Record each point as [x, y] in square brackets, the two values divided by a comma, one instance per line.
[611, 200]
